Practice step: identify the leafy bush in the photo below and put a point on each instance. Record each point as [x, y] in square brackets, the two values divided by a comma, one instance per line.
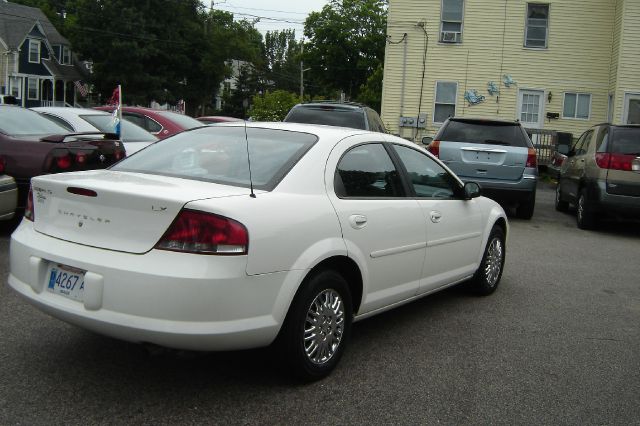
[272, 106]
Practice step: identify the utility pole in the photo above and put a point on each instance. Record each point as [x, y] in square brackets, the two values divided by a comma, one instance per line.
[302, 70]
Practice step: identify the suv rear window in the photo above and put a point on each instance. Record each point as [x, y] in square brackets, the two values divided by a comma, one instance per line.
[626, 140]
[328, 115]
[489, 132]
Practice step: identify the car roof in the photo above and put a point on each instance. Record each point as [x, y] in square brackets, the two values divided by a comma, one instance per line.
[486, 120]
[341, 105]
[70, 110]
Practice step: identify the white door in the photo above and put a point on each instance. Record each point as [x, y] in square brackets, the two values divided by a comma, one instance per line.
[383, 229]
[631, 108]
[454, 225]
[530, 108]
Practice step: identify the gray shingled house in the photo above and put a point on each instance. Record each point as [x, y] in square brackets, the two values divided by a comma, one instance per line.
[36, 63]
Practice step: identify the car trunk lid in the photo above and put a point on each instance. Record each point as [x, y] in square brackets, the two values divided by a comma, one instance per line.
[482, 161]
[120, 211]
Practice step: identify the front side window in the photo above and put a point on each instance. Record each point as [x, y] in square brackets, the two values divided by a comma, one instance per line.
[445, 102]
[576, 105]
[428, 178]
[33, 88]
[366, 171]
[34, 51]
[582, 146]
[451, 21]
[537, 26]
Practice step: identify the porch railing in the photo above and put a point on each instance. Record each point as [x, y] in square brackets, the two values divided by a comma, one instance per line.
[55, 104]
[545, 142]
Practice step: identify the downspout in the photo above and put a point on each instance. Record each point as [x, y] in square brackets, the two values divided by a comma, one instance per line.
[404, 75]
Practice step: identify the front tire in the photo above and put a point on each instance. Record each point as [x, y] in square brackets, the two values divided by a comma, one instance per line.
[487, 277]
[317, 326]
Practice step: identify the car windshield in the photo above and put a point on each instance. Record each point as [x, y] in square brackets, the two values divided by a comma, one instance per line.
[130, 132]
[626, 141]
[182, 120]
[328, 115]
[219, 154]
[17, 121]
[491, 133]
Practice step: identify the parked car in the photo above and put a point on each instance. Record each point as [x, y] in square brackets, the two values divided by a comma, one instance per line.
[133, 136]
[497, 154]
[331, 225]
[32, 145]
[343, 114]
[8, 100]
[159, 123]
[601, 175]
[8, 194]
[213, 119]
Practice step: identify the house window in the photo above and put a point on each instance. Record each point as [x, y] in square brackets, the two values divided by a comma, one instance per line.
[34, 51]
[33, 88]
[537, 27]
[445, 103]
[65, 56]
[576, 105]
[451, 21]
[15, 87]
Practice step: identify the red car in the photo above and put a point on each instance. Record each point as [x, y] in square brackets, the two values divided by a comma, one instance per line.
[212, 119]
[161, 123]
[32, 145]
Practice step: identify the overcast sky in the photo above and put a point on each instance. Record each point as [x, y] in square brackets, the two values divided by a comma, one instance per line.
[273, 14]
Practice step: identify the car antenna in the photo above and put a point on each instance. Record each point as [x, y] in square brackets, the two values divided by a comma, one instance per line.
[246, 139]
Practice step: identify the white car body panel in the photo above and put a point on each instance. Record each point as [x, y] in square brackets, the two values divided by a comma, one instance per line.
[206, 302]
[8, 197]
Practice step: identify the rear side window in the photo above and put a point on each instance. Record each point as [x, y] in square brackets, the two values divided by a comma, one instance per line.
[626, 141]
[219, 154]
[130, 131]
[367, 171]
[328, 115]
[507, 134]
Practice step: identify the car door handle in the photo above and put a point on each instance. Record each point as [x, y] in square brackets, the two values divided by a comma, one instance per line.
[435, 216]
[357, 221]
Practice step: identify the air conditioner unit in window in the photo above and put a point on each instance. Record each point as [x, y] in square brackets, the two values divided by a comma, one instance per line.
[450, 37]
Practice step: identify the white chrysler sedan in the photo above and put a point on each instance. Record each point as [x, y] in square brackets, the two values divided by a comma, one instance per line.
[234, 237]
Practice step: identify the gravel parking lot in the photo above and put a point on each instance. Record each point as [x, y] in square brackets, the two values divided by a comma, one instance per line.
[558, 343]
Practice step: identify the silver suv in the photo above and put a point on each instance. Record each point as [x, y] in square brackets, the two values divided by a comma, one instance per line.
[496, 154]
[601, 175]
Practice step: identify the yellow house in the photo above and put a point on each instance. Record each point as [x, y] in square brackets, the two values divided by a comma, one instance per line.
[561, 65]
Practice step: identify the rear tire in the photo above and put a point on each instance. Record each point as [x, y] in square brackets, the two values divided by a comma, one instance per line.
[487, 277]
[585, 215]
[317, 326]
[525, 208]
[561, 205]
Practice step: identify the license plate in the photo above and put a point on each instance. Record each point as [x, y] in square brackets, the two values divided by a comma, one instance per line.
[66, 281]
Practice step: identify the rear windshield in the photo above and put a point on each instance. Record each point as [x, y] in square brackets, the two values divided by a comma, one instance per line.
[626, 141]
[507, 134]
[15, 121]
[130, 132]
[219, 154]
[182, 120]
[328, 115]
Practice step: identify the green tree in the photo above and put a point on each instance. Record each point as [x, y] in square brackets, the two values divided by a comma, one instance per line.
[272, 106]
[346, 42]
[282, 52]
[371, 92]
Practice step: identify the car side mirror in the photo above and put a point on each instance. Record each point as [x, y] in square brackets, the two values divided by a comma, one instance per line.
[472, 190]
[427, 140]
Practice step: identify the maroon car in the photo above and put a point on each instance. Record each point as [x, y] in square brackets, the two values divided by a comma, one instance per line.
[161, 123]
[32, 145]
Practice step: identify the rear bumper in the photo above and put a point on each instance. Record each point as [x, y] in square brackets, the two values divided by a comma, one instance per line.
[508, 190]
[8, 197]
[618, 205]
[194, 303]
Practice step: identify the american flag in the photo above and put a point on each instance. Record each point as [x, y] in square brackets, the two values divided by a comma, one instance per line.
[82, 87]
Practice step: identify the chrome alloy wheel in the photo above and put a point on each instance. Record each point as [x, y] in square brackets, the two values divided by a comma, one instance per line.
[324, 326]
[580, 208]
[493, 263]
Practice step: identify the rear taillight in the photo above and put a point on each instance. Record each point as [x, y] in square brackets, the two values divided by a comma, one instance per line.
[28, 211]
[81, 158]
[532, 158]
[3, 165]
[434, 148]
[606, 160]
[63, 162]
[205, 233]
[119, 155]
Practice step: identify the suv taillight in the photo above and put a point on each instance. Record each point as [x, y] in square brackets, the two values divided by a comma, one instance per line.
[532, 158]
[434, 148]
[606, 160]
[205, 233]
[3, 164]
[28, 211]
